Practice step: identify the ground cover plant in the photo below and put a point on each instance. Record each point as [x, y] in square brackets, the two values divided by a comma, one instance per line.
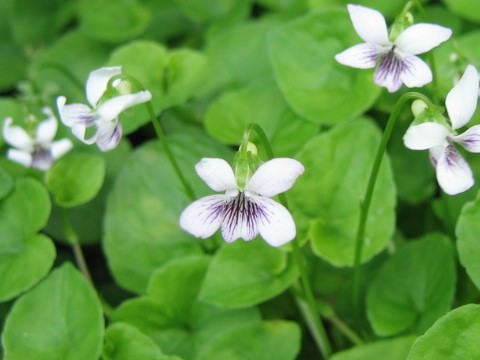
[239, 179]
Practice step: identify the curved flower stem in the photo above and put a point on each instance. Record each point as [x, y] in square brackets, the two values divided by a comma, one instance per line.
[64, 71]
[329, 315]
[73, 239]
[435, 91]
[160, 134]
[365, 203]
[158, 129]
[313, 317]
[431, 58]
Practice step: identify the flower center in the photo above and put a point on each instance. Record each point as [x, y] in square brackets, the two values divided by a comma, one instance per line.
[240, 211]
[390, 65]
[42, 159]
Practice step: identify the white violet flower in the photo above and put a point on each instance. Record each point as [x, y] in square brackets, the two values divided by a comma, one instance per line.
[244, 213]
[40, 151]
[102, 116]
[396, 59]
[453, 173]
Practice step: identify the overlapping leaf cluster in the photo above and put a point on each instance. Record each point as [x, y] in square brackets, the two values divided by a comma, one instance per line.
[213, 67]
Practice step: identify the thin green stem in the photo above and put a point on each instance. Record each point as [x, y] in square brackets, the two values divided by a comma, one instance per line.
[168, 152]
[309, 319]
[327, 313]
[74, 241]
[365, 203]
[312, 317]
[160, 134]
[435, 89]
[345, 330]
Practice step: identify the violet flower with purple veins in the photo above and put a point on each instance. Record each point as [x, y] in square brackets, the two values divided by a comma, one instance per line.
[396, 58]
[103, 116]
[453, 173]
[244, 212]
[39, 150]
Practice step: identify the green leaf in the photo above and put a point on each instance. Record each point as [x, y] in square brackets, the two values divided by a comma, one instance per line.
[12, 59]
[286, 5]
[396, 348]
[186, 72]
[167, 21]
[173, 316]
[271, 340]
[414, 287]
[464, 49]
[338, 164]
[246, 273]
[76, 53]
[262, 103]
[76, 179]
[125, 342]
[183, 277]
[448, 208]
[454, 336]
[148, 187]
[6, 183]
[87, 219]
[467, 9]
[12, 64]
[238, 54]
[313, 83]
[468, 227]
[20, 271]
[22, 214]
[389, 9]
[61, 318]
[210, 10]
[113, 20]
[37, 22]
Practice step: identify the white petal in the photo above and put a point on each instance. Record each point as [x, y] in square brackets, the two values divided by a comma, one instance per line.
[389, 71]
[97, 82]
[16, 136]
[22, 157]
[240, 215]
[60, 147]
[111, 108]
[425, 136]
[217, 173]
[46, 130]
[416, 72]
[204, 216]
[462, 100]
[453, 173]
[361, 56]
[79, 130]
[74, 113]
[109, 136]
[420, 38]
[437, 151]
[369, 24]
[42, 160]
[470, 139]
[275, 176]
[276, 225]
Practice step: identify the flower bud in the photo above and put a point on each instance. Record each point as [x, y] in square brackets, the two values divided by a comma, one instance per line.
[418, 106]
